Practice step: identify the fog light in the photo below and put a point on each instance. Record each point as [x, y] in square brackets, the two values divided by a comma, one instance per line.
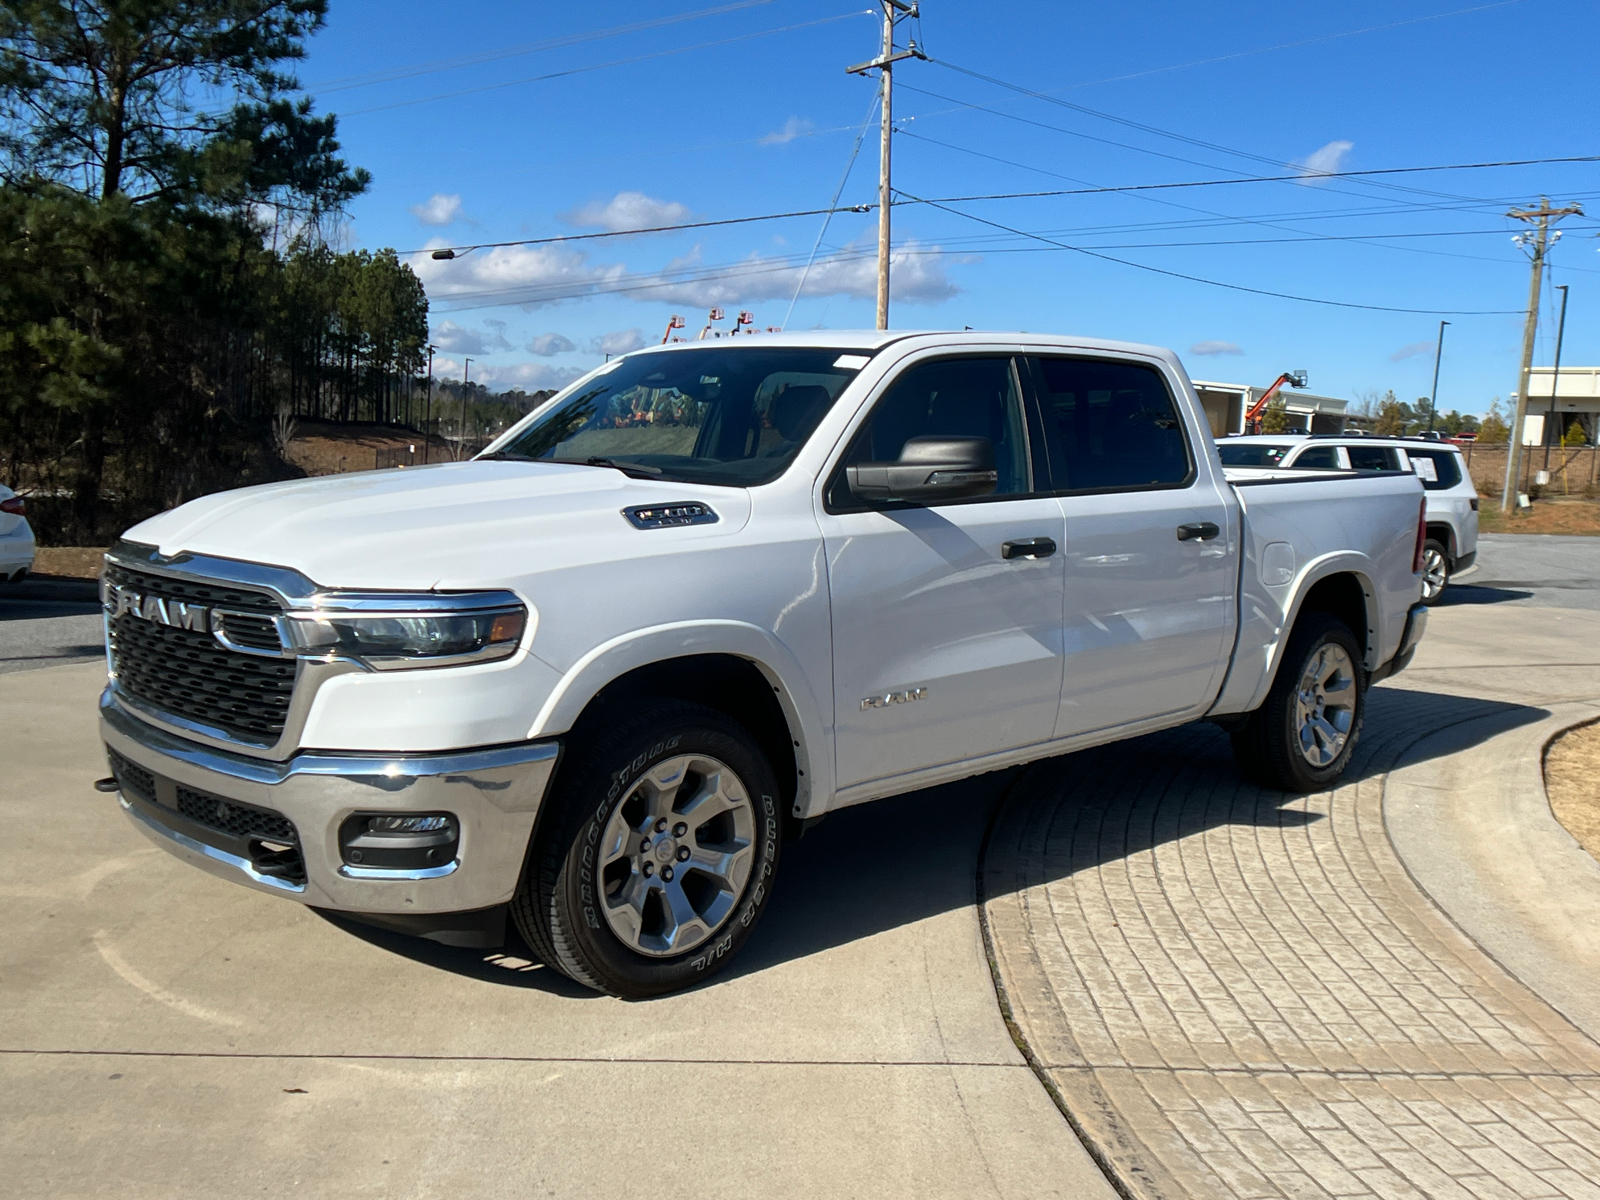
[399, 841]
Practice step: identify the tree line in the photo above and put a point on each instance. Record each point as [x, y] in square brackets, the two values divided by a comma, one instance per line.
[168, 291]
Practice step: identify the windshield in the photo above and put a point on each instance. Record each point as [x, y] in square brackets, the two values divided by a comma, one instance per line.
[1251, 454]
[716, 415]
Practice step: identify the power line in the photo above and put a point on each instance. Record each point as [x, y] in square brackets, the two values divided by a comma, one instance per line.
[620, 62]
[833, 205]
[909, 199]
[1234, 287]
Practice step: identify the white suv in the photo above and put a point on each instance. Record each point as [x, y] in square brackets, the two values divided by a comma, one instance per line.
[1452, 543]
[16, 538]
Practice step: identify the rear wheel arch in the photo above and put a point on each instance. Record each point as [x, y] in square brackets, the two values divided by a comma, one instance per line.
[1445, 535]
[1349, 598]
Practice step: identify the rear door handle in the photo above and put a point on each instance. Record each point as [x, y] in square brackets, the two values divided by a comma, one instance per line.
[1029, 548]
[1202, 531]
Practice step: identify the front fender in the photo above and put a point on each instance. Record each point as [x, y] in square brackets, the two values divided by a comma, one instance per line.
[641, 647]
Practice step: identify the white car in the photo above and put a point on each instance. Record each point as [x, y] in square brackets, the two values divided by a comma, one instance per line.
[1452, 542]
[16, 537]
[709, 593]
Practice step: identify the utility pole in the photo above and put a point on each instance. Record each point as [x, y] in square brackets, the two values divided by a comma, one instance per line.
[1433, 396]
[1555, 375]
[427, 422]
[894, 11]
[1541, 242]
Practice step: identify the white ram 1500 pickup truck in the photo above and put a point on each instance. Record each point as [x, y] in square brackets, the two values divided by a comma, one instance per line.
[593, 677]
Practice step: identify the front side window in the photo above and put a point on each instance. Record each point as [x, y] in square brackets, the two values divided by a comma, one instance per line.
[1251, 454]
[946, 397]
[718, 415]
[1442, 469]
[1110, 425]
[1372, 458]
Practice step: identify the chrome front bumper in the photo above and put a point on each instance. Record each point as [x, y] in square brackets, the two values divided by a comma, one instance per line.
[494, 794]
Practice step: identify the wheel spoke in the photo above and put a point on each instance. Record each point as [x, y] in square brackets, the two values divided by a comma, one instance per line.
[711, 800]
[664, 783]
[625, 910]
[687, 928]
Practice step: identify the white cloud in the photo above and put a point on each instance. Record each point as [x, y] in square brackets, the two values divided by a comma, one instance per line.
[627, 210]
[1411, 351]
[1320, 162]
[534, 276]
[1205, 349]
[529, 376]
[458, 339]
[438, 209]
[619, 341]
[792, 128]
[548, 345]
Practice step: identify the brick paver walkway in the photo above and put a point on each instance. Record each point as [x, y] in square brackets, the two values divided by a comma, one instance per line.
[1235, 993]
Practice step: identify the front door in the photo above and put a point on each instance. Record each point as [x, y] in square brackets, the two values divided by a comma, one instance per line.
[945, 649]
[1150, 570]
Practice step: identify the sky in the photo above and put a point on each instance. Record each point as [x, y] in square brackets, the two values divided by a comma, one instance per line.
[490, 122]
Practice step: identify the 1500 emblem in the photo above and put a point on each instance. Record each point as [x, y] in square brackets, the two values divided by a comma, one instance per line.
[888, 698]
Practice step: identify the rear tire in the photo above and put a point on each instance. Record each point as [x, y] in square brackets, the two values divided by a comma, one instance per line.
[1302, 736]
[1435, 571]
[657, 855]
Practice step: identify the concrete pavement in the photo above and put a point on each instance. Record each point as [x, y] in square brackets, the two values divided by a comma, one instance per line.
[168, 1034]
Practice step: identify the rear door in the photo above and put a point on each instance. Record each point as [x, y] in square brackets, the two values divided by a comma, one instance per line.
[944, 648]
[1149, 553]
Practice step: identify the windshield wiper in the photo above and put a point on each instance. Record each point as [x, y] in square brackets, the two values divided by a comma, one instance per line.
[506, 456]
[637, 470]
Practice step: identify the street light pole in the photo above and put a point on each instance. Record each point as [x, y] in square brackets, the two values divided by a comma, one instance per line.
[466, 390]
[1433, 396]
[1555, 375]
[427, 423]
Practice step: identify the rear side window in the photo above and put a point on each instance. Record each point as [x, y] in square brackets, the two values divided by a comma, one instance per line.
[1373, 458]
[1438, 469]
[1319, 458]
[1110, 425]
[955, 397]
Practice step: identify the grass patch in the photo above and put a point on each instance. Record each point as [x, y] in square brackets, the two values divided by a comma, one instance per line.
[1546, 516]
[1572, 780]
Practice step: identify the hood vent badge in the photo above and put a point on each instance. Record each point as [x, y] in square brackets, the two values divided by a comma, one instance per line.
[664, 516]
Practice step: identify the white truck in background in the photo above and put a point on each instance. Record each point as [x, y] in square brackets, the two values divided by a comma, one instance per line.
[707, 594]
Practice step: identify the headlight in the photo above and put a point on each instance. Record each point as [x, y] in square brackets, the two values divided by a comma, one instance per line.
[456, 631]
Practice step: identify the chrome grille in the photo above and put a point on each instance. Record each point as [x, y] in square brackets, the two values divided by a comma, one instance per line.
[189, 674]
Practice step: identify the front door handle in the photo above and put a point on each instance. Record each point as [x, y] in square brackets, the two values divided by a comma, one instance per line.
[1029, 548]
[1202, 531]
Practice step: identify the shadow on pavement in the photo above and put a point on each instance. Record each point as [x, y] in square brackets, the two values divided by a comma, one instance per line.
[880, 866]
[1469, 593]
[513, 964]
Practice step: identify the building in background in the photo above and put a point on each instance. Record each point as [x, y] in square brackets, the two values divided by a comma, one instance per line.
[1227, 403]
[1579, 396]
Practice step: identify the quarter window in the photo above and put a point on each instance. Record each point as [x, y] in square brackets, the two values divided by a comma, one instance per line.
[1446, 468]
[949, 397]
[1110, 425]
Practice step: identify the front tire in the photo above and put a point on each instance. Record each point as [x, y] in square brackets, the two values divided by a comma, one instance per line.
[1302, 737]
[1435, 571]
[657, 855]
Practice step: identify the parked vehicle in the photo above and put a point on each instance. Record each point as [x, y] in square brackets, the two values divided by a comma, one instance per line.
[1452, 541]
[16, 537]
[709, 593]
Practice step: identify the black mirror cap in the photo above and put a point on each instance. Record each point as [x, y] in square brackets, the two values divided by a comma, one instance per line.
[930, 469]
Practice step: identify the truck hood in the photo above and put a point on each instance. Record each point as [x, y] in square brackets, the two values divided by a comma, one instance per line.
[454, 525]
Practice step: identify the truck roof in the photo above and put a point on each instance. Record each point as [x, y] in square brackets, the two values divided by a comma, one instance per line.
[877, 339]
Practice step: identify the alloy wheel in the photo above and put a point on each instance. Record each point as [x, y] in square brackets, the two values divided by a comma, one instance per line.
[1325, 705]
[676, 855]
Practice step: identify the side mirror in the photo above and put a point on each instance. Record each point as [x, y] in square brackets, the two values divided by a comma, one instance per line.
[930, 469]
